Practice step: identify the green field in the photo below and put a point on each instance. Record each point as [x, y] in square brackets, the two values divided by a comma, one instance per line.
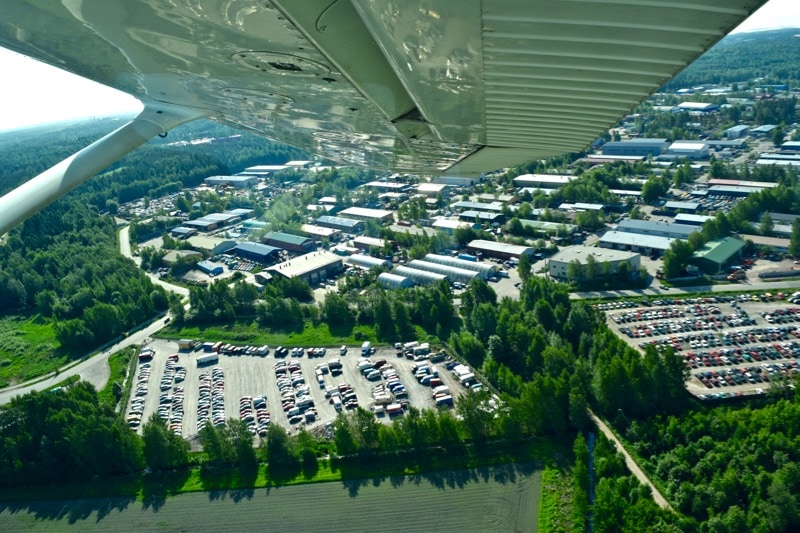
[499, 498]
[242, 332]
[28, 348]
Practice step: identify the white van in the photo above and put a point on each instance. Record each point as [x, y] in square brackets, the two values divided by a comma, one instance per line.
[337, 403]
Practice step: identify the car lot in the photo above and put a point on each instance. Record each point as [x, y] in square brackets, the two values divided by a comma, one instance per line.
[291, 388]
[732, 345]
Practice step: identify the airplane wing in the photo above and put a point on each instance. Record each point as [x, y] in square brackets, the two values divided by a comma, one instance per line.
[424, 86]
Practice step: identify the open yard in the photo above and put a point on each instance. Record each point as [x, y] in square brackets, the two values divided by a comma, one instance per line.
[497, 498]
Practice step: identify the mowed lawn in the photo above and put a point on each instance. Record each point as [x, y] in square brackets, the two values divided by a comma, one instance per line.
[496, 498]
[28, 348]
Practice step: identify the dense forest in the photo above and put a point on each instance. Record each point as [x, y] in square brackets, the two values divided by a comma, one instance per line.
[739, 58]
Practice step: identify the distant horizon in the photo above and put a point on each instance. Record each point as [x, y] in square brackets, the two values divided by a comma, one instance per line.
[42, 94]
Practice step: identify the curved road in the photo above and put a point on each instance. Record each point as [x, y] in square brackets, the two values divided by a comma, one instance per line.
[94, 369]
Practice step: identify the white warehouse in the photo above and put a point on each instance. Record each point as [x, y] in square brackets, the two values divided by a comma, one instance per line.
[421, 277]
[452, 273]
[484, 269]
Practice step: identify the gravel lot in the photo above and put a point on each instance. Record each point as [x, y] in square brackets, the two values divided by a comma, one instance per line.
[254, 375]
[771, 339]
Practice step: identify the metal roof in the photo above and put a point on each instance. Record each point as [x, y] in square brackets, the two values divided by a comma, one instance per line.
[719, 251]
[647, 227]
[620, 238]
[581, 253]
[288, 238]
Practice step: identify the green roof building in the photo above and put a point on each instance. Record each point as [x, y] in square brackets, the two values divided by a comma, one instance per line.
[716, 256]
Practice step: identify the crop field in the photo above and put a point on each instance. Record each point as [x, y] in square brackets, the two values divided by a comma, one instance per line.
[498, 498]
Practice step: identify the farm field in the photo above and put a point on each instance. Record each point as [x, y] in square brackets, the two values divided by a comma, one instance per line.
[498, 498]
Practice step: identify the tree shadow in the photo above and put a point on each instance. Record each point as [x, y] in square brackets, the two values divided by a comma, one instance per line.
[73, 511]
[234, 482]
[157, 486]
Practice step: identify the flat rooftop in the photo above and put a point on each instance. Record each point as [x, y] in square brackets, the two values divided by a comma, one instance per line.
[581, 253]
[304, 264]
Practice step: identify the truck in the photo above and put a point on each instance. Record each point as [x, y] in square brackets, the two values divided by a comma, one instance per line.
[422, 349]
[736, 275]
[468, 257]
[366, 348]
[186, 344]
[207, 359]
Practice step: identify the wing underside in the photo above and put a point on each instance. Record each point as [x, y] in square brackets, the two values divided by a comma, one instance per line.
[426, 86]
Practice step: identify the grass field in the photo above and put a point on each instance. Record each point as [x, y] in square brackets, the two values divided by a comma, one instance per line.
[28, 348]
[242, 332]
[499, 498]
[555, 508]
[120, 365]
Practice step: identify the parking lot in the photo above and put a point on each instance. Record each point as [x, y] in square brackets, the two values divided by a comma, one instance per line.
[291, 390]
[732, 345]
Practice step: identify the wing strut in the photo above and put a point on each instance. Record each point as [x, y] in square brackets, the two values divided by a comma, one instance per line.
[39, 192]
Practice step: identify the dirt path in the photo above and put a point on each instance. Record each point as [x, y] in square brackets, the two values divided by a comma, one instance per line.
[632, 466]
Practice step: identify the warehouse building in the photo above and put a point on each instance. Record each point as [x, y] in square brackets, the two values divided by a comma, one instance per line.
[492, 207]
[685, 207]
[319, 232]
[636, 242]
[450, 272]
[182, 232]
[791, 146]
[367, 262]
[763, 131]
[211, 245]
[259, 253]
[432, 190]
[737, 132]
[450, 226]
[549, 228]
[696, 107]
[691, 220]
[242, 212]
[780, 245]
[736, 191]
[292, 243]
[636, 147]
[543, 181]
[393, 281]
[363, 213]
[420, 277]
[499, 249]
[482, 217]
[716, 256]
[312, 268]
[485, 270]
[660, 229]
[345, 225]
[371, 243]
[254, 225]
[688, 149]
[240, 182]
[201, 224]
[606, 259]
[210, 268]
[457, 181]
[388, 186]
[189, 256]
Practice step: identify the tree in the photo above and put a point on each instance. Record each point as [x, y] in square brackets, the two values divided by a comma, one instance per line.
[794, 241]
[280, 453]
[676, 258]
[163, 450]
[766, 225]
[525, 267]
[337, 312]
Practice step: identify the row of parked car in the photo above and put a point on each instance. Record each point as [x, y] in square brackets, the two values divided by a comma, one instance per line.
[295, 393]
[211, 400]
[254, 412]
[170, 404]
[137, 403]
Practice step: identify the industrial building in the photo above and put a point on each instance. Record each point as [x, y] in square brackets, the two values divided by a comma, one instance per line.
[345, 225]
[452, 273]
[253, 225]
[449, 226]
[743, 183]
[763, 131]
[581, 206]
[393, 281]
[543, 181]
[716, 256]
[173, 256]
[499, 249]
[696, 107]
[492, 207]
[482, 217]
[319, 232]
[371, 243]
[312, 268]
[260, 253]
[737, 191]
[737, 132]
[211, 245]
[292, 243]
[549, 228]
[432, 189]
[778, 244]
[660, 229]
[420, 277]
[367, 262]
[636, 242]
[686, 207]
[791, 146]
[201, 224]
[240, 182]
[457, 181]
[210, 268]
[182, 232]
[607, 260]
[691, 220]
[484, 270]
[636, 147]
[688, 149]
[363, 213]
[388, 186]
